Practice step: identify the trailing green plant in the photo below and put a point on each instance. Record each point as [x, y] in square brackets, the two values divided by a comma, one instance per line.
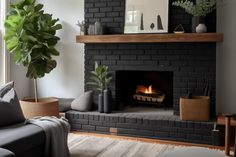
[100, 78]
[199, 8]
[30, 37]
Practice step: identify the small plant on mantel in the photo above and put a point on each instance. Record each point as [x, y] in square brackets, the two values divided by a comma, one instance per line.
[100, 79]
[198, 10]
[30, 37]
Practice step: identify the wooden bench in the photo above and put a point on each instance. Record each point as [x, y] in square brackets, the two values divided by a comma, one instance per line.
[229, 122]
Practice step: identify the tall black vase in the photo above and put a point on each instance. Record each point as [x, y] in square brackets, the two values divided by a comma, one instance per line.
[107, 101]
[100, 103]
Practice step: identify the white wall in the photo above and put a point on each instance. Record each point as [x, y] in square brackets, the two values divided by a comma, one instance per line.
[1, 45]
[67, 80]
[17, 74]
[226, 58]
[21, 82]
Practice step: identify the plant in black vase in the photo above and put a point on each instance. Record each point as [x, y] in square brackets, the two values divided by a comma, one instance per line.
[198, 10]
[100, 79]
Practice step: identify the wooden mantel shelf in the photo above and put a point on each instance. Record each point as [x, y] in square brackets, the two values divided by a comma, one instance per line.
[152, 38]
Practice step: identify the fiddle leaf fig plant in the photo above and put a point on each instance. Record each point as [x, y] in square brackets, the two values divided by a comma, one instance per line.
[100, 78]
[31, 38]
[199, 8]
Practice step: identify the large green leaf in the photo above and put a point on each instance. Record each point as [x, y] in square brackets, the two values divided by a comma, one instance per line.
[30, 37]
[38, 7]
[12, 43]
[57, 27]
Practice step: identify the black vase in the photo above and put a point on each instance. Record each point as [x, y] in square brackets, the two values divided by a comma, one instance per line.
[107, 101]
[196, 20]
[100, 103]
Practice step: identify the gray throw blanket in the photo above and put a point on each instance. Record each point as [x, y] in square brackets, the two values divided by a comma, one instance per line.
[56, 131]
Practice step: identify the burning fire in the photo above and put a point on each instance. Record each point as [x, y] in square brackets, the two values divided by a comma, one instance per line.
[148, 90]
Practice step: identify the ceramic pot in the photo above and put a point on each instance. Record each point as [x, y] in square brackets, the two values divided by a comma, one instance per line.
[107, 101]
[100, 103]
[44, 107]
[201, 28]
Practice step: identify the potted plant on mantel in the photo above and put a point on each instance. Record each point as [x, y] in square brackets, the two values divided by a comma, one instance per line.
[198, 10]
[100, 79]
[30, 37]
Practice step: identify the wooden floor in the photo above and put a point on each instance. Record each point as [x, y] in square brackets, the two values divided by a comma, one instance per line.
[149, 140]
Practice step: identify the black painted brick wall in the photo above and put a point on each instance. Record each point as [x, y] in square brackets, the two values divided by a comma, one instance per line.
[192, 63]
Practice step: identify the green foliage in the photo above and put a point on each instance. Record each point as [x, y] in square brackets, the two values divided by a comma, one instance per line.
[100, 77]
[30, 37]
[200, 8]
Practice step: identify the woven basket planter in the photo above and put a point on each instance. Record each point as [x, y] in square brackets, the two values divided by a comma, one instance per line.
[195, 109]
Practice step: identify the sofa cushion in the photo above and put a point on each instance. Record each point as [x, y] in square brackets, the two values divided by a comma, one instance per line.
[21, 137]
[10, 110]
[6, 153]
[65, 104]
[83, 102]
[5, 88]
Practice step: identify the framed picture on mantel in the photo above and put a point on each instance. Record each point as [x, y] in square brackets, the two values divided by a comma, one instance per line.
[146, 16]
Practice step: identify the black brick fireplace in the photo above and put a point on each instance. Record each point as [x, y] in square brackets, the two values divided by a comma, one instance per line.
[177, 68]
[192, 64]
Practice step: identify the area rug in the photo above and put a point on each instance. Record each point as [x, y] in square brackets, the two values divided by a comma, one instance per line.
[92, 146]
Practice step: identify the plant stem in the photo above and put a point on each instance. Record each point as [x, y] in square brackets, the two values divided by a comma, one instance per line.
[35, 90]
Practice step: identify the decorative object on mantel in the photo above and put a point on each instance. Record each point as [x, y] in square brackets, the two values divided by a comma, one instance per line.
[150, 16]
[82, 27]
[100, 79]
[198, 10]
[201, 28]
[34, 48]
[96, 29]
[179, 29]
[91, 29]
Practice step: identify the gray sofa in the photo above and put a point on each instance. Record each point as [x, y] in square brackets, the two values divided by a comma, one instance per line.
[23, 140]
[6, 153]
[17, 138]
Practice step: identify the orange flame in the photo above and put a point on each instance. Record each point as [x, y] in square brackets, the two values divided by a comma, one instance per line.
[148, 90]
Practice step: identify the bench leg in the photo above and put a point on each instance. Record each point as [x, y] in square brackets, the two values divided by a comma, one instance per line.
[227, 135]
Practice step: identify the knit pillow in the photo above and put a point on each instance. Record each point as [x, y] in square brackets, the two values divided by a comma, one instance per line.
[10, 110]
[83, 102]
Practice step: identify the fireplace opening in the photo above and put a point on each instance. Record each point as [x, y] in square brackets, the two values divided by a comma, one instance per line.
[148, 95]
[144, 88]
